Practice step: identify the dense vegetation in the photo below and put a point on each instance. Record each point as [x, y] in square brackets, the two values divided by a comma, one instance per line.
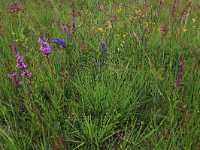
[99, 74]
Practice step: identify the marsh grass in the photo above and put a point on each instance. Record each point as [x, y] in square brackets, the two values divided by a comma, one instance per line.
[81, 98]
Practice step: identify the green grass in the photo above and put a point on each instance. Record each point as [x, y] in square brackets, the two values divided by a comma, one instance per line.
[81, 98]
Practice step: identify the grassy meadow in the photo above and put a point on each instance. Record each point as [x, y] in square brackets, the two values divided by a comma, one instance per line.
[127, 78]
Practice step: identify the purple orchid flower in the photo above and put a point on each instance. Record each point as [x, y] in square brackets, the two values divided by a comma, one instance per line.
[20, 62]
[44, 47]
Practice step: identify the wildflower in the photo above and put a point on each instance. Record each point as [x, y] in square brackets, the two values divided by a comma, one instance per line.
[22, 66]
[179, 73]
[185, 12]
[27, 73]
[109, 25]
[184, 30]
[174, 8]
[13, 77]
[60, 41]
[193, 20]
[119, 10]
[100, 29]
[19, 65]
[14, 74]
[103, 43]
[40, 40]
[72, 27]
[44, 47]
[20, 62]
[64, 27]
[71, 31]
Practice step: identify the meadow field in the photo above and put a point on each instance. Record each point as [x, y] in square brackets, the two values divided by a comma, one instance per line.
[99, 74]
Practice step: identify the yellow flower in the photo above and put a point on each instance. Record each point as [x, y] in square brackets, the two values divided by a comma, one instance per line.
[193, 26]
[124, 35]
[100, 29]
[184, 30]
[109, 25]
[119, 10]
[193, 20]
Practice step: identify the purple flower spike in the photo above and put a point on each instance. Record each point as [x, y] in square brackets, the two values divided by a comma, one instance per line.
[60, 41]
[72, 27]
[13, 77]
[21, 66]
[20, 62]
[44, 47]
[71, 32]
[179, 73]
[103, 43]
[14, 74]
[64, 27]
[40, 40]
